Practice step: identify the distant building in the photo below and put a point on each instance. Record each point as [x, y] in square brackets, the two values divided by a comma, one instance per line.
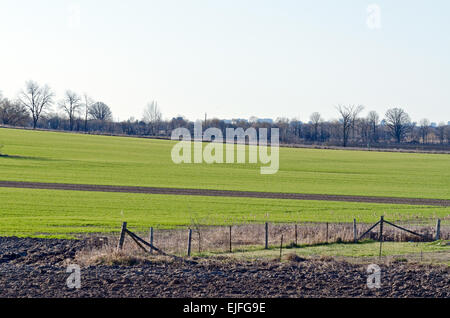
[237, 120]
[434, 125]
[265, 121]
[294, 123]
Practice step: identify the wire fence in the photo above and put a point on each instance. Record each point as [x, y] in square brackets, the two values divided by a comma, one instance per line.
[223, 239]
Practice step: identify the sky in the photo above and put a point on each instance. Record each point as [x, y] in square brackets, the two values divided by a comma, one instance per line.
[233, 58]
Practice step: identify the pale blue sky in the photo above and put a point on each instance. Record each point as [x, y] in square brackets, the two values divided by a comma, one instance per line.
[233, 58]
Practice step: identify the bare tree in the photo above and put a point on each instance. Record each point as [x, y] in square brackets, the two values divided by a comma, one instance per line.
[373, 120]
[398, 122]
[152, 116]
[424, 130]
[447, 133]
[88, 102]
[282, 123]
[71, 105]
[441, 132]
[36, 99]
[364, 127]
[316, 119]
[296, 126]
[348, 118]
[13, 113]
[253, 119]
[100, 111]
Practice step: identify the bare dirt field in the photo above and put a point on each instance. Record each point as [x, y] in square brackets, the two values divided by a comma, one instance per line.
[223, 193]
[37, 268]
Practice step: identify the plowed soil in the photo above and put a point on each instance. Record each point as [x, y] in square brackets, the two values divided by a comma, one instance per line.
[223, 193]
[37, 268]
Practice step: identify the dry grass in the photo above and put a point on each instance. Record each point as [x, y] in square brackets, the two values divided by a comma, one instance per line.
[107, 254]
[217, 239]
[292, 257]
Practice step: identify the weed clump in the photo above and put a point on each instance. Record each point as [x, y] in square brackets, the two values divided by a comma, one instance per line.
[294, 258]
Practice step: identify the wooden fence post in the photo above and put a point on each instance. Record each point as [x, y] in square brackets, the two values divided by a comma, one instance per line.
[381, 233]
[122, 236]
[281, 247]
[296, 235]
[438, 230]
[189, 242]
[231, 248]
[355, 232]
[267, 236]
[151, 240]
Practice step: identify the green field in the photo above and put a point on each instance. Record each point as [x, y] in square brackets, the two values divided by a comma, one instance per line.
[63, 213]
[35, 156]
[432, 252]
[76, 158]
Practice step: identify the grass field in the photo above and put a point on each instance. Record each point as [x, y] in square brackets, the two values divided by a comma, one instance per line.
[74, 158]
[36, 156]
[49, 213]
[435, 252]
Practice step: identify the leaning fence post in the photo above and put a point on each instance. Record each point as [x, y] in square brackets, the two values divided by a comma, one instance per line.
[122, 235]
[151, 240]
[189, 242]
[438, 230]
[267, 236]
[381, 233]
[355, 232]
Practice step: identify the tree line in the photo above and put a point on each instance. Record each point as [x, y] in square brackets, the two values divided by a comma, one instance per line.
[35, 107]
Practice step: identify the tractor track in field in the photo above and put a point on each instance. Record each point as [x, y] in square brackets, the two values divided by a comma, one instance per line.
[223, 193]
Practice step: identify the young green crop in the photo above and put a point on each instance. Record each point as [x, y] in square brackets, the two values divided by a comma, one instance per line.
[51, 213]
[37, 156]
[75, 158]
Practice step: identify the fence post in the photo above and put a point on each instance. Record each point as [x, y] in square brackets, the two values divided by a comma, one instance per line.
[122, 236]
[296, 235]
[189, 242]
[151, 240]
[381, 233]
[231, 248]
[327, 232]
[267, 236]
[438, 230]
[281, 247]
[355, 232]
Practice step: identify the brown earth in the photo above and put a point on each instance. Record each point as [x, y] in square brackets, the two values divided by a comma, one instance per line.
[37, 268]
[223, 193]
